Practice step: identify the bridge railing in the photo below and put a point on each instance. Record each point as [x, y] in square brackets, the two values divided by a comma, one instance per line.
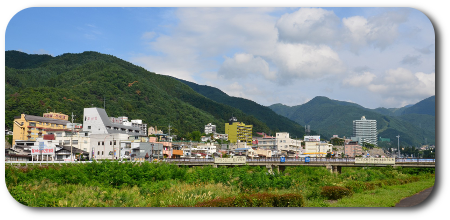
[255, 160]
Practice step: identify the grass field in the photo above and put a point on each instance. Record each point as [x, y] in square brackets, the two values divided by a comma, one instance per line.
[112, 184]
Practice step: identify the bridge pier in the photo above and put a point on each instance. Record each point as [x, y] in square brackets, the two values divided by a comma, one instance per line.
[333, 168]
[337, 169]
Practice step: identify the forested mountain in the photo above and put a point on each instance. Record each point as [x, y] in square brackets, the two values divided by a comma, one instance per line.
[330, 117]
[274, 121]
[70, 82]
[425, 107]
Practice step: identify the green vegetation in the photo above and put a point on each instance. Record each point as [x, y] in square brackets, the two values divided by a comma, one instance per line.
[114, 184]
[70, 82]
[336, 117]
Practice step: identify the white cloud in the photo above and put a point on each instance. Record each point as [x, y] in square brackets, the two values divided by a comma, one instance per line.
[359, 80]
[306, 61]
[308, 25]
[380, 31]
[403, 85]
[245, 64]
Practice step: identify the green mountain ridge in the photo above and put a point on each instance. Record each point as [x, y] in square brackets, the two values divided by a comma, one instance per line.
[332, 117]
[70, 82]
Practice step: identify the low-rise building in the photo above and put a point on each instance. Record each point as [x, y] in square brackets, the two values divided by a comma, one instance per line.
[352, 149]
[315, 148]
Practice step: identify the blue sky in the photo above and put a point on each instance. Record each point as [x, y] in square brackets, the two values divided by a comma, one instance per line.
[376, 57]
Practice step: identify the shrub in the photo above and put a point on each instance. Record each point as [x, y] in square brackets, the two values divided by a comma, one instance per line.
[256, 200]
[335, 192]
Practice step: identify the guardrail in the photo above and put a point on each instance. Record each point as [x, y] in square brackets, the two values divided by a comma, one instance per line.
[211, 160]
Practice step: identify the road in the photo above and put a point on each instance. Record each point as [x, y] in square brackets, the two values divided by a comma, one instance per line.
[415, 199]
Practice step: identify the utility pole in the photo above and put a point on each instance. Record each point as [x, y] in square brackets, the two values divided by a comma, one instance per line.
[71, 136]
[398, 145]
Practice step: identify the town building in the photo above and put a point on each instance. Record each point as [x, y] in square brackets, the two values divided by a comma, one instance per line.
[365, 131]
[288, 145]
[210, 128]
[315, 148]
[265, 142]
[154, 130]
[352, 149]
[238, 131]
[30, 127]
[96, 121]
[146, 151]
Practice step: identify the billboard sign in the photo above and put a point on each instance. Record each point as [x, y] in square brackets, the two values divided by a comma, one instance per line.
[45, 151]
[368, 160]
[311, 138]
[42, 149]
[234, 160]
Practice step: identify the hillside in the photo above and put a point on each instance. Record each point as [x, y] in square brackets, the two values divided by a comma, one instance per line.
[331, 117]
[274, 121]
[424, 107]
[70, 82]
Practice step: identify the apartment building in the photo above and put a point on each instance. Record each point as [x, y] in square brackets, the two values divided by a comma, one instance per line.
[287, 144]
[266, 142]
[352, 149]
[365, 131]
[30, 127]
[238, 131]
[210, 128]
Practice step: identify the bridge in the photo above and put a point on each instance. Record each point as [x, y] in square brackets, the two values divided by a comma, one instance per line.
[332, 164]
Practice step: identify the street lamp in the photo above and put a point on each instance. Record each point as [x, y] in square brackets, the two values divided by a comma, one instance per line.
[398, 145]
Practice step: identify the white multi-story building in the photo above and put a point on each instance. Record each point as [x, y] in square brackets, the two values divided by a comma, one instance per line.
[315, 148]
[365, 131]
[96, 121]
[210, 128]
[285, 143]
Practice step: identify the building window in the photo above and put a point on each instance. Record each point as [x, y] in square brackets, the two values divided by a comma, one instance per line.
[99, 143]
[89, 127]
[74, 141]
[98, 152]
[103, 143]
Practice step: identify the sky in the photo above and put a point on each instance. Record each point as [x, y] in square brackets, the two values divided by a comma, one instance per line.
[376, 57]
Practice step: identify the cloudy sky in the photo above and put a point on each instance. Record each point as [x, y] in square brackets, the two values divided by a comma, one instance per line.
[376, 57]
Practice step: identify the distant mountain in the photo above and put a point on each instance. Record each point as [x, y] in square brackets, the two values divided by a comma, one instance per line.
[274, 121]
[391, 111]
[70, 82]
[330, 117]
[424, 107]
